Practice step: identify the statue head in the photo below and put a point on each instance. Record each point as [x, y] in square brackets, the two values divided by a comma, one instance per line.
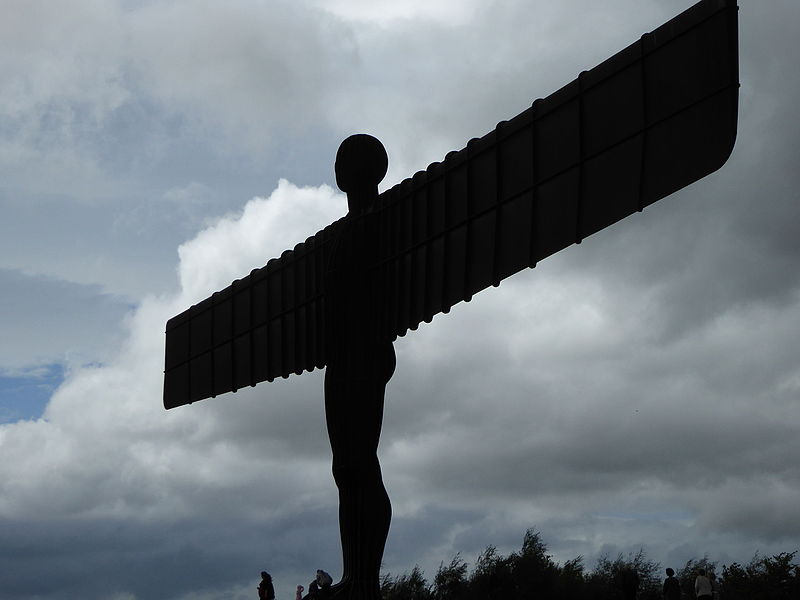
[361, 164]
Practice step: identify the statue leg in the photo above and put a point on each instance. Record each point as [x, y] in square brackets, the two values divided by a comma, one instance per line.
[354, 415]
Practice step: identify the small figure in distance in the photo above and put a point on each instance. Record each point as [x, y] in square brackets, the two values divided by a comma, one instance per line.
[702, 586]
[265, 589]
[672, 587]
[299, 594]
[313, 591]
[319, 588]
[324, 581]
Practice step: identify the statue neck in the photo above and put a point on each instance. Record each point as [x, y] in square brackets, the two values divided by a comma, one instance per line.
[360, 201]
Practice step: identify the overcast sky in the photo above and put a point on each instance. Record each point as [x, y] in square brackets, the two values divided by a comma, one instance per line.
[639, 390]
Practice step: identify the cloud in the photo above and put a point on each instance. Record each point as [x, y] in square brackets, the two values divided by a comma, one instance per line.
[105, 451]
[109, 109]
[237, 244]
[247, 66]
[415, 11]
[639, 389]
[253, 68]
[47, 321]
[426, 85]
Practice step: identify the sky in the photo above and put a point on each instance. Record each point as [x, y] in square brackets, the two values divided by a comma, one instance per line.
[641, 390]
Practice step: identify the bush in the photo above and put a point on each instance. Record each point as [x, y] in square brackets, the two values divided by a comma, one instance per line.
[531, 574]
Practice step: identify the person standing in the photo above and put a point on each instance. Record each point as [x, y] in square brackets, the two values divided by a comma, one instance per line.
[265, 589]
[672, 588]
[702, 586]
[324, 580]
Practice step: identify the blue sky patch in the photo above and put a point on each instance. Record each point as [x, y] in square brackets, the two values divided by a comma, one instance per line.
[25, 396]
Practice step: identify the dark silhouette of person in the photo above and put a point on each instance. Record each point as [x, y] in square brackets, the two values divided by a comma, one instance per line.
[319, 588]
[672, 587]
[313, 590]
[323, 580]
[359, 365]
[265, 589]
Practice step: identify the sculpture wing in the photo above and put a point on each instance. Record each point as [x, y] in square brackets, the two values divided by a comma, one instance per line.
[269, 324]
[648, 121]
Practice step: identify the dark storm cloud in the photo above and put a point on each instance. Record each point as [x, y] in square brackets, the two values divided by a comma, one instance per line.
[104, 559]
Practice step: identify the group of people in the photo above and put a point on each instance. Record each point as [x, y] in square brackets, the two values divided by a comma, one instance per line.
[705, 587]
[318, 589]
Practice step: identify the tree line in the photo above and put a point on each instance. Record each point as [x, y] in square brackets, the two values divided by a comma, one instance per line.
[531, 574]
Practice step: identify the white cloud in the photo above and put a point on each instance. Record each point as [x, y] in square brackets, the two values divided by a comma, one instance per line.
[105, 441]
[235, 245]
[383, 12]
[107, 452]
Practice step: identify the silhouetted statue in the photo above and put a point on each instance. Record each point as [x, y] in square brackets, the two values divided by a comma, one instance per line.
[652, 119]
[360, 363]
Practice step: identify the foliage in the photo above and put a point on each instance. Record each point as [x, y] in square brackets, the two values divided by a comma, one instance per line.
[493, 576]
[531, 574]
[406, 587]
[687, 574]
[608, 578]
[450, 582]
[774, 577]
